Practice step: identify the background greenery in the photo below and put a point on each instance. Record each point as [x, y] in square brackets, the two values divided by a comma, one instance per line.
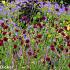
[65, 1]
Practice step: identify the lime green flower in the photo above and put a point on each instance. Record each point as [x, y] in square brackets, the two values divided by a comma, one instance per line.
[4, 2]
[49, 35]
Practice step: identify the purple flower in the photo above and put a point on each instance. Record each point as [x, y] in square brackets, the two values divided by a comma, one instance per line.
[36, 1]
[44, 18]
[41, 4]
[1, 21]
[56, 6]
[49, 11]
[61, 10]
[24, 18]
[30, 0]
[25, 36]
[49, 4]
[18, 7]
[0, 9]
[58, 13]
[33, 1]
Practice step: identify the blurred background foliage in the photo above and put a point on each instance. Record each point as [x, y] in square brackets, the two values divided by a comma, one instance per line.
[64, 1]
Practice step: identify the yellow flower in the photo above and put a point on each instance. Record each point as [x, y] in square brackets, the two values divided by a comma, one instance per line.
[49, 35]
[33, 62]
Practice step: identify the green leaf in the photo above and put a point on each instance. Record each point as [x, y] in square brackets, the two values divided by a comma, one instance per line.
[0, 35]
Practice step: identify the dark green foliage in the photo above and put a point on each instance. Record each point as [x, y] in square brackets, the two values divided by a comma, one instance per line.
[29, 10]
[64, 1]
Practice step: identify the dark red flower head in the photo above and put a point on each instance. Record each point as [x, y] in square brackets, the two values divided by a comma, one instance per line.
[14, 38]
[15, 46]
[5, 39]
[39, 25]
[66, 49]
[47, 58]
[68, 43]
[65, 27]
[67, 37]
[27, 40]
[2, 24]
[35, 26]
[24, 31]
[1, 42]
[52, 47]
[29, 53]
[69, 65]
[57, 9]
[43, 24]
[63, 33]
[60, 30]
[66, 9]
[16, 30]
[43, 18]
[5, 27]
[4, 33]
[61, 47]
[39, 36]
